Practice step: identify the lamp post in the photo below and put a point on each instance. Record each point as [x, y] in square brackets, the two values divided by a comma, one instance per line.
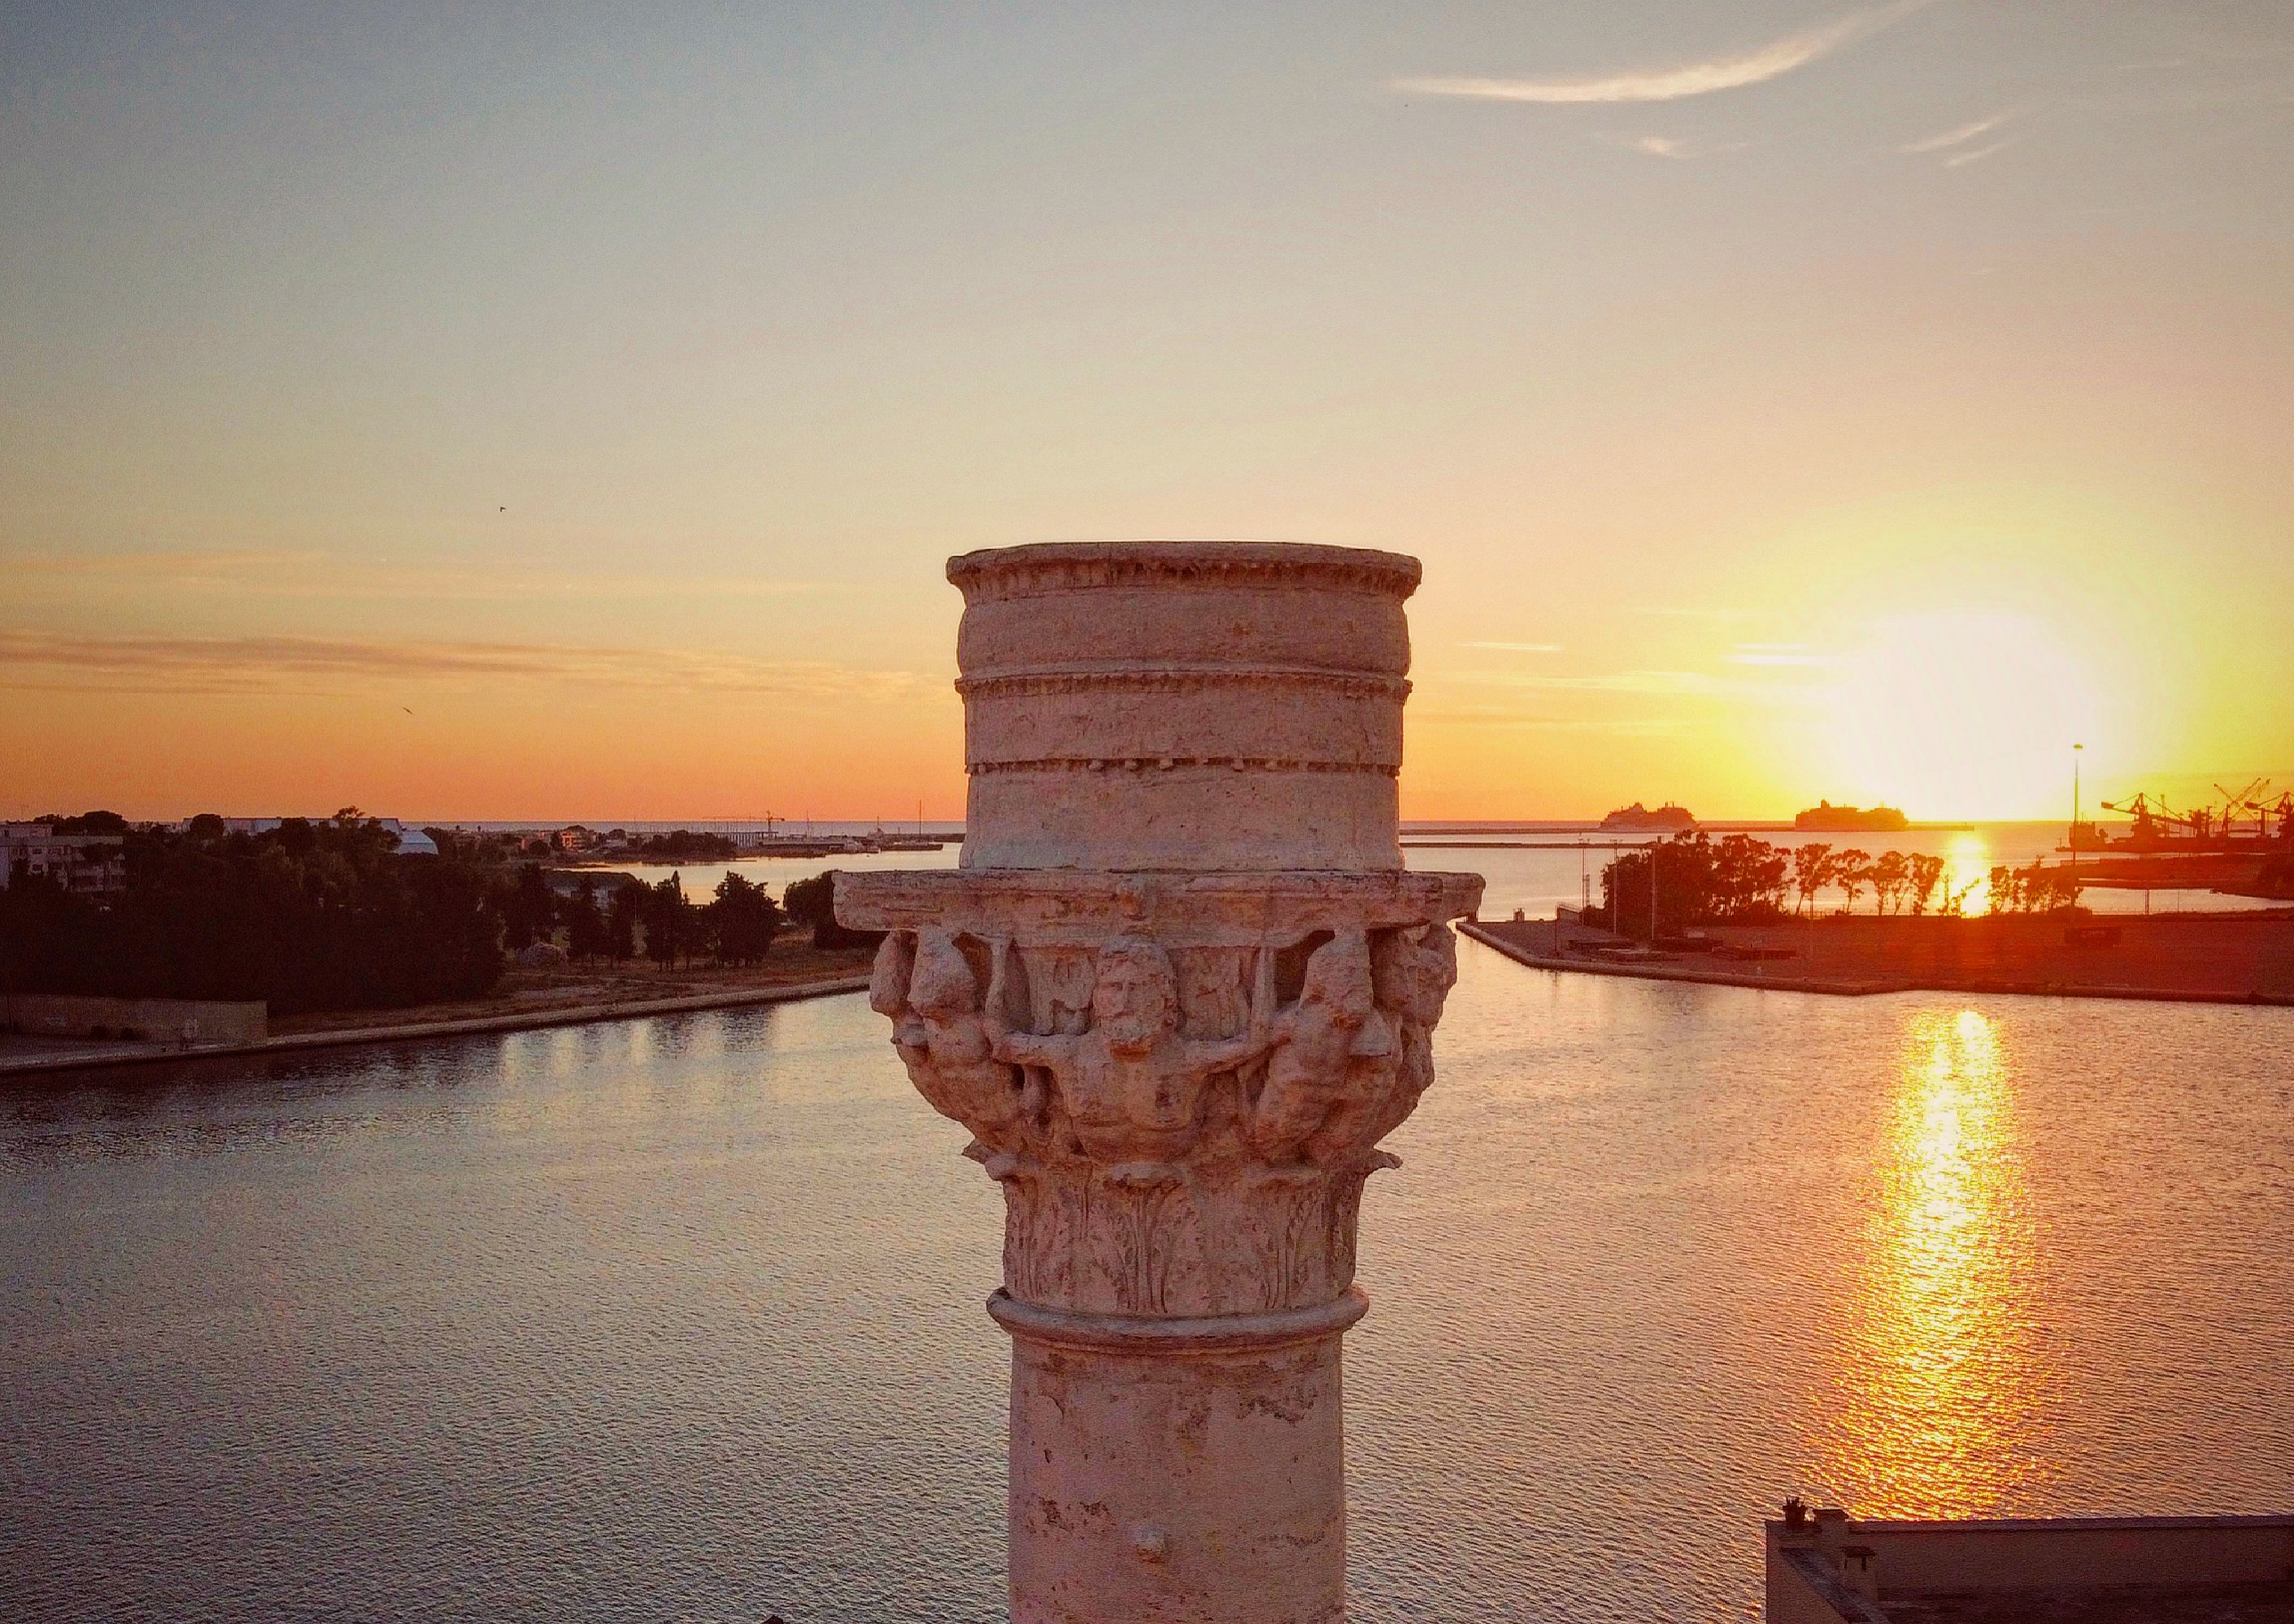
[2076, 751]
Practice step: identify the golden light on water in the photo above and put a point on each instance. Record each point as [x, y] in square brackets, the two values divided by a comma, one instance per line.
[1943, 1383]
[1967, 860]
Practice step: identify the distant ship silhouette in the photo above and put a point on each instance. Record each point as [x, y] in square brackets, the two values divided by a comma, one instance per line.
[1824, 815]
[1639, 817]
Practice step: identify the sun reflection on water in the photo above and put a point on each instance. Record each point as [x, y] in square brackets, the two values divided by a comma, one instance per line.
[1944, 1381]
[1967, 867]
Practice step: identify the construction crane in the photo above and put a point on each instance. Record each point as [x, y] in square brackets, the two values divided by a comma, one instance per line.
[2157, 823]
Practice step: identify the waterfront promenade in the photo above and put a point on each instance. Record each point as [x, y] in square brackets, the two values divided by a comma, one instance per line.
[2226, 958]
[527, 1000]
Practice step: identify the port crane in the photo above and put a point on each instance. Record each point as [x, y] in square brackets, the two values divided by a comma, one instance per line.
[2254, 799]
[2158, 826]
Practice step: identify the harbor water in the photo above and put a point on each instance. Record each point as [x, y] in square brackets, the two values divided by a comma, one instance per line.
[681, 1319]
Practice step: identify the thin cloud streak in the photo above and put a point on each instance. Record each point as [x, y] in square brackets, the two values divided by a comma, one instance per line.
[1636, 727]
[1671, 84]
[31, 659]
[1609, 682]
[1952, 138]
[321, 575]
[1518, 648]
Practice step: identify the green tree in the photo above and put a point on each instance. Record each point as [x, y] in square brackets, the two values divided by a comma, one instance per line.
[672, 923]
[529, 909]
[813, 904]
[741, 920]
[87, 823]
[1811, 872]
[589, 935]
[624, 915]
[325, 915]
[1925, 873]
[1889, 876]
[1851, 871]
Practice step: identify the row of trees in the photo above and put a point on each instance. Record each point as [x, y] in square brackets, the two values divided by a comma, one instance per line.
[324, 914]
[736, 926]
[319, 914]
[2035, 888]
[1739, 880]
[617, 918]
[1900, 883]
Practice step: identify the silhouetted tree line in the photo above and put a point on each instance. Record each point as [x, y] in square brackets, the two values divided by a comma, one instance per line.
[2035, 888]
[813, 902]
[86, 823]
[1739, 880]
[324, 914]
[620, 918]
[311, 915]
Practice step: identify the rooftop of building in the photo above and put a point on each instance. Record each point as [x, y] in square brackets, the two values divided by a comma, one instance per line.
[1826, 1567]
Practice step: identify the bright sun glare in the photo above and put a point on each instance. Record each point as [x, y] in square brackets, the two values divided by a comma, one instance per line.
[1963, 714]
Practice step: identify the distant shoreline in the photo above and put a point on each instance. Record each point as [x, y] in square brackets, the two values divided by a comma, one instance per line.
[101, 1057]
[2224, 959]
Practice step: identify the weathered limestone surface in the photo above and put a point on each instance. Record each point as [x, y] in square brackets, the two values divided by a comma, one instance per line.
[1177, 991]
[1183, 705]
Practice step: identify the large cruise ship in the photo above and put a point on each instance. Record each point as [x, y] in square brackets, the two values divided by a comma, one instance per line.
[1668, 818]
[1824, 815]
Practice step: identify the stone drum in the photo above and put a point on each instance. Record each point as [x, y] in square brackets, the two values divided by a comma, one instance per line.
[1178, 990]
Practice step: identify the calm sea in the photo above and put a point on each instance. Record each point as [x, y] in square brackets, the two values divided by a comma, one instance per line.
[681, 1320]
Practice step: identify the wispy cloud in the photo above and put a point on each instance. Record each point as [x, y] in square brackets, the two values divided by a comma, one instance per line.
[1690, 79]
[1493, 716]
[73, 662]
[313, 575]
[1518, 648]
[1603, 682]
[170, 568]
[1673, 146]
[1953, 137]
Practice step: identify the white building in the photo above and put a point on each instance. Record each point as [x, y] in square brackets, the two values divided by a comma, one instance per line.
[86, 865]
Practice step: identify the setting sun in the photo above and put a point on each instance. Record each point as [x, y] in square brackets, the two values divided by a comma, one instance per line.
[1965, 714]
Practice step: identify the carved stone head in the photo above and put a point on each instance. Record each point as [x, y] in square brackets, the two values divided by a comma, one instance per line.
[1134, 995]
[943, 984]
[1439, 955]
[1414, 971]
[895, 962]
[1338, 980]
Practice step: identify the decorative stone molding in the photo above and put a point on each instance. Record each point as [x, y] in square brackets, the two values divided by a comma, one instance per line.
[1178, 990]
[1179, 1080]
[1195, 661]
[1007, 573]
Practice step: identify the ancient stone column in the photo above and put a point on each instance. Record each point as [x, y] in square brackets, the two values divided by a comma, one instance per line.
[1179, 989]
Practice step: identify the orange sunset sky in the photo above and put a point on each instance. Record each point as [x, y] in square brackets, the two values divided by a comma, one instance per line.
[566, 413]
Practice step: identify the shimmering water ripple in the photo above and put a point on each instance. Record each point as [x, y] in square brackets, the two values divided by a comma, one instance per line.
[681, 1320]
